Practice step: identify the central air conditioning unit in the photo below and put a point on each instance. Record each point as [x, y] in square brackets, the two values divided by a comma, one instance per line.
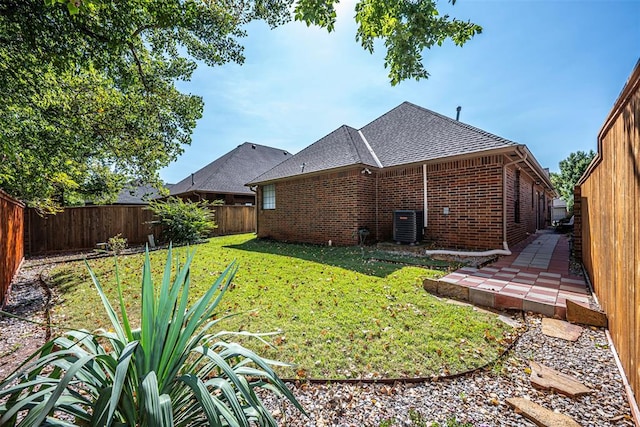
[407, 226]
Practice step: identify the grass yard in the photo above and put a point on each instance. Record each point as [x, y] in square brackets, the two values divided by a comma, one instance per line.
[337, 313]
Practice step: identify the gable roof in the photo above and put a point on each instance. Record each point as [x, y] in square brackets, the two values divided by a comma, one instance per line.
[342, 147]
[409, 134]
[229, 173]
[406, 134]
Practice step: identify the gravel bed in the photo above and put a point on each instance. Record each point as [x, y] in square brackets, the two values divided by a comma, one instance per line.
[19, 338]
[479, 398]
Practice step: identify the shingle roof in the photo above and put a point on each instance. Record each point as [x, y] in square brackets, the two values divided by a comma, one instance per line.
[342, 147]
[229, 173]
[406, 134]
[139, 195]
[409, 134]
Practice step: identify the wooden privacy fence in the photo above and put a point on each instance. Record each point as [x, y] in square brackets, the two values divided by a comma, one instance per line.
[607, 225]
[234, 219]
[81, 228]
[11, 242]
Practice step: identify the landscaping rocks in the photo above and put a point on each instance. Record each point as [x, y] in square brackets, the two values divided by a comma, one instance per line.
[546, 378]
[540, 415]
[479, 398]
[20, 338]
[561, 329]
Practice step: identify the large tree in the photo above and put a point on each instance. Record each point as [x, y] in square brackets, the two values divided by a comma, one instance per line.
[89, 99]
[571, 169]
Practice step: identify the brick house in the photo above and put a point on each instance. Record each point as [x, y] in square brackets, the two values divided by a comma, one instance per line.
[224, 178]
[477, 190]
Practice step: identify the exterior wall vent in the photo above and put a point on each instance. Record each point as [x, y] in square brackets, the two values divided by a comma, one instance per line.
[407, 226]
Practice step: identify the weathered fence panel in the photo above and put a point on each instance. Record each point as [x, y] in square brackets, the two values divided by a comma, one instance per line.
[608, 214]
[234, 219]
[11, 241]
[83, 227]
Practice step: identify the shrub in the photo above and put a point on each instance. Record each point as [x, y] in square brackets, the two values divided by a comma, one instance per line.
[117, 244]
[170, 371]
[184, 222]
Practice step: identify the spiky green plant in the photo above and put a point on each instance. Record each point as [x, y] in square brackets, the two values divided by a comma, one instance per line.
[170, 372]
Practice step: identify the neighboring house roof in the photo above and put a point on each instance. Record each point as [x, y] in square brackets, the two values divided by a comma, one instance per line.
[140, 195]
[407, 134]
[229, 173]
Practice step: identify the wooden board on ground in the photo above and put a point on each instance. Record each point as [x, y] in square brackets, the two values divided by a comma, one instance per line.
[578, 312]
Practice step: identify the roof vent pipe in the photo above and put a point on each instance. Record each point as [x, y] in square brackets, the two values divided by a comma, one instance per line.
[458, 113]
[192, 181]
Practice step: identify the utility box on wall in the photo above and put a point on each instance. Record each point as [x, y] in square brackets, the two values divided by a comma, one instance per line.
[407, 226]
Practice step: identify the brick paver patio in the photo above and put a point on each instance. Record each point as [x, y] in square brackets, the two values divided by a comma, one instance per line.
[535, 277]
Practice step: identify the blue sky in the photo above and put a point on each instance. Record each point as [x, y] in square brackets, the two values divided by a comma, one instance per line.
[543, 73]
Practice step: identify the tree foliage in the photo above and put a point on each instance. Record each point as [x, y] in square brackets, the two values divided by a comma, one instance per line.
[571, 169]
[89, 99]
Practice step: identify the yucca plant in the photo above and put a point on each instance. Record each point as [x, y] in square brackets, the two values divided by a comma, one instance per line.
[172, 371]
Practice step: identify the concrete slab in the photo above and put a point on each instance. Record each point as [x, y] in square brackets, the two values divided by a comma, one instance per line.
[539, 307]
[481, 297]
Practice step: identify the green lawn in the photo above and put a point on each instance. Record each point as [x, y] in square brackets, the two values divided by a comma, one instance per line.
[339, 312]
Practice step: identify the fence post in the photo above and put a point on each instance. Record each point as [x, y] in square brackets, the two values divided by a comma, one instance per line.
[577, 223]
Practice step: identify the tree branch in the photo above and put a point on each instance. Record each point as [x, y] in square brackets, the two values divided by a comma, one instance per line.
[139, 64]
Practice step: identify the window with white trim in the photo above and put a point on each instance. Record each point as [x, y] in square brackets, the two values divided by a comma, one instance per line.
[269, 196]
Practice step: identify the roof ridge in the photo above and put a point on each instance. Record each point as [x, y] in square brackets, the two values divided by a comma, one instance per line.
[264, 146]
[346, 129]
[462, 124]
[386, 113]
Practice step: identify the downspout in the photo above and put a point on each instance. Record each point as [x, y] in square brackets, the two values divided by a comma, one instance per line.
[504, 197]
[505, 247]
[254, 188]
[377, 211]
[424, 186]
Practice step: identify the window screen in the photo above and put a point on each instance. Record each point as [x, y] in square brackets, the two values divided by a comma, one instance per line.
[269, 196]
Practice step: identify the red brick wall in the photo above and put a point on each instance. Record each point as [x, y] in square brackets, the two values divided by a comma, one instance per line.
[333, 206]
[398, 189]
[472, 191]
[320, 208]
[517, 231]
